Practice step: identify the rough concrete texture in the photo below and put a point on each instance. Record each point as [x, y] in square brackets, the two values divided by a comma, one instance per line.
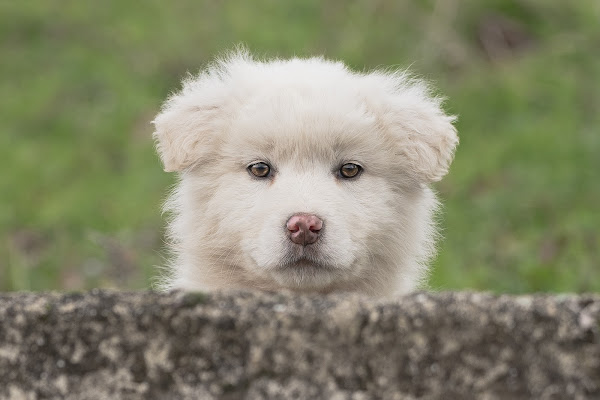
[111, 345]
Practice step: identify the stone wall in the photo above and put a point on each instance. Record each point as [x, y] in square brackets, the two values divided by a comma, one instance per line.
[113, 345]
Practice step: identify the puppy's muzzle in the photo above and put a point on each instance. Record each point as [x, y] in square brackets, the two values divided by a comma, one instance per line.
[304, 229]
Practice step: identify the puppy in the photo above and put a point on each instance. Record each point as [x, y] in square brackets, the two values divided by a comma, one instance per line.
[303, 175]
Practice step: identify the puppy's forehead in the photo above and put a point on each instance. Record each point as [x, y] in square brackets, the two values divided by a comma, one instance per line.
[302, 122]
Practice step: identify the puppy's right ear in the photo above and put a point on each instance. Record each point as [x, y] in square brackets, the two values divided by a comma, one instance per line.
[424, 134]
[185, 128]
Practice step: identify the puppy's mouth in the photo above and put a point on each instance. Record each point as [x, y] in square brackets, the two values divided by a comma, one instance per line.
[304, 264]
[306, 268]
[305, 258]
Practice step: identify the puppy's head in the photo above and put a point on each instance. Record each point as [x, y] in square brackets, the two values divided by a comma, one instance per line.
[302, 174]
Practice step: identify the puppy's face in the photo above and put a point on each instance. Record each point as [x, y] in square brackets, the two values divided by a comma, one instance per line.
[306, 193]
[299, 181]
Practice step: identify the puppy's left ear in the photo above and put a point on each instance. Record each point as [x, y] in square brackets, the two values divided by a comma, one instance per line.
[424, 134]
[189, 123]
[183, 132]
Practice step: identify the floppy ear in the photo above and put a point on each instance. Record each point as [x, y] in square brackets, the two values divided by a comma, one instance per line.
[424, 134]
[428, 142]
[187, 125]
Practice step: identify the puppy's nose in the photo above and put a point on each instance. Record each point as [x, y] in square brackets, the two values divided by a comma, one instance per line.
[304, 228]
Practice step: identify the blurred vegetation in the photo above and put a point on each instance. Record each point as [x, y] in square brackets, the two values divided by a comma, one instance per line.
[81, 186]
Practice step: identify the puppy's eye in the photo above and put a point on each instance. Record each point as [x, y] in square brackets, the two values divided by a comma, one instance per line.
[350, 170]
[260, 169]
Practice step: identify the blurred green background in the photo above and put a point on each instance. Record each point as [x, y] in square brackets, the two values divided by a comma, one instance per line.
[81, 186]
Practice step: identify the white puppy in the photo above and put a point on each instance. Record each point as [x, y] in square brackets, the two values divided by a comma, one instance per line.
[301, 174]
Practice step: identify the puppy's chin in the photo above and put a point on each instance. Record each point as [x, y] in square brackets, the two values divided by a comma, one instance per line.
[304, 274]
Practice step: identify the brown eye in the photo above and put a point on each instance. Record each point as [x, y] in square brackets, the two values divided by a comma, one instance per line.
[350, 170]
[260, 169]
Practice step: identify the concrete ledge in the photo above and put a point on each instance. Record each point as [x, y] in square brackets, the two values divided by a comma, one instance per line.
[112, 345]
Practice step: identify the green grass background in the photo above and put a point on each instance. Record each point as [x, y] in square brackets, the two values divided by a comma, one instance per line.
[81, 186]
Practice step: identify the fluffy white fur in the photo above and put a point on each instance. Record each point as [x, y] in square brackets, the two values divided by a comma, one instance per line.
[304, 117]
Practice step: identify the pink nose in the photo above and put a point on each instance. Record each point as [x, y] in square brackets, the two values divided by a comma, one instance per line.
[304, 228]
